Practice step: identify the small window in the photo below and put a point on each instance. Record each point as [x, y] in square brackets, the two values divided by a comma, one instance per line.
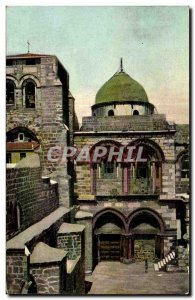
[108, 167]
[135, 112]
[22, 155]
[9, 62]
[142, 170]
[29, 90]
[30, 61]
[110, 113]
[21, 137]
[10, 97]
[185, 167]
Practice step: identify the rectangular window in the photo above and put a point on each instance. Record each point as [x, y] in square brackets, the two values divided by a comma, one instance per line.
[142, 170]
[21, 137]
[108, 170]
[108, 167]
[22, 155]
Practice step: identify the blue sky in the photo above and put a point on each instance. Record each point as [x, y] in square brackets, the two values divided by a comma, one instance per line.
[89, 41]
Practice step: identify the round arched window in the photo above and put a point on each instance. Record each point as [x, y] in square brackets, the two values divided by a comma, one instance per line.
[111, 113]
[135, 112]
[29, 92]
[10, 87]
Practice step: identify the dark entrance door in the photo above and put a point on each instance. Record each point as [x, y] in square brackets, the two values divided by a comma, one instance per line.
[109, 247]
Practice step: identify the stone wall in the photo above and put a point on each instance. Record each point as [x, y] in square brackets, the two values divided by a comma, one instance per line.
[182, 185]
[16, 265]
[141, 122]
[183, 258]
[72, 243]
[35, 197]
[50, 278]
[82, 180]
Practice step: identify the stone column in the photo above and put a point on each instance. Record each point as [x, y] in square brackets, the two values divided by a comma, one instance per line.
[93, 170]
[18, 98]
[154, 177]
[98, 247]
[126, 249]
[125, 180]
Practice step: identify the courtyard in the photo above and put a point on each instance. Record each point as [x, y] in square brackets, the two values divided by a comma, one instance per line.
[121, 279]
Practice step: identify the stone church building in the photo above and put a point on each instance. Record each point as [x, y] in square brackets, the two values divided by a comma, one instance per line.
[65, 216]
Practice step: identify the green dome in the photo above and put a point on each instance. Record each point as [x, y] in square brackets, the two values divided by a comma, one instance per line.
[121, 87]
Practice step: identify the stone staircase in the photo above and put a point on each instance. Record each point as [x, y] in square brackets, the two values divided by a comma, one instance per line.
[161, 265]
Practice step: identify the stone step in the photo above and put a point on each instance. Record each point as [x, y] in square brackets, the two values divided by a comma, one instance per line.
[171, 255]
[159, 265]
[162, 264]
[164, 261]
[156, 268]
[168, 256]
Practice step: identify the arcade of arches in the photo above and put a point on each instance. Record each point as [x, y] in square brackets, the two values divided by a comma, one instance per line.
[136, 177]
[134, 238]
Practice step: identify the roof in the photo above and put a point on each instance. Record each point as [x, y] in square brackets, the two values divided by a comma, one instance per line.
[83, 215]
[19, 241]
[27, 55]
[119, 88]
[43, 253]
[11, 146]
[70, 228]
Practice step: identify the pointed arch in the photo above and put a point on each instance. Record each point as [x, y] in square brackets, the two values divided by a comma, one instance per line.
[146, 211]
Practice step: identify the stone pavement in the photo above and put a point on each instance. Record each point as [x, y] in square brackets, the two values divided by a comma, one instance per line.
[117, 278]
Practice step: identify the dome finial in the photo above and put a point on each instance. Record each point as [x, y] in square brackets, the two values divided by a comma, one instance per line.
[121, 65]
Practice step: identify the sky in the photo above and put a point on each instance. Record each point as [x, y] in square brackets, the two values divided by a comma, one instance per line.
[89, 41]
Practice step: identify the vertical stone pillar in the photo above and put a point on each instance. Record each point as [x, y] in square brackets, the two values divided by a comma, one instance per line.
[93, 171]
[154, 177]
[125, 180]
[126, 247]
[85, 219]
[98, 248]
[168, 178]
[18, 98]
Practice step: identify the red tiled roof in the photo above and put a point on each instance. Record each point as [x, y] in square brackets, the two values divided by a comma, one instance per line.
[21, 146]
[27, 55]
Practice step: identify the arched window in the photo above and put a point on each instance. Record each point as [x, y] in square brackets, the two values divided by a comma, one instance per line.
[185, 167]
[10, 87]
[111, 113]
[29, 89]
[135, 112]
